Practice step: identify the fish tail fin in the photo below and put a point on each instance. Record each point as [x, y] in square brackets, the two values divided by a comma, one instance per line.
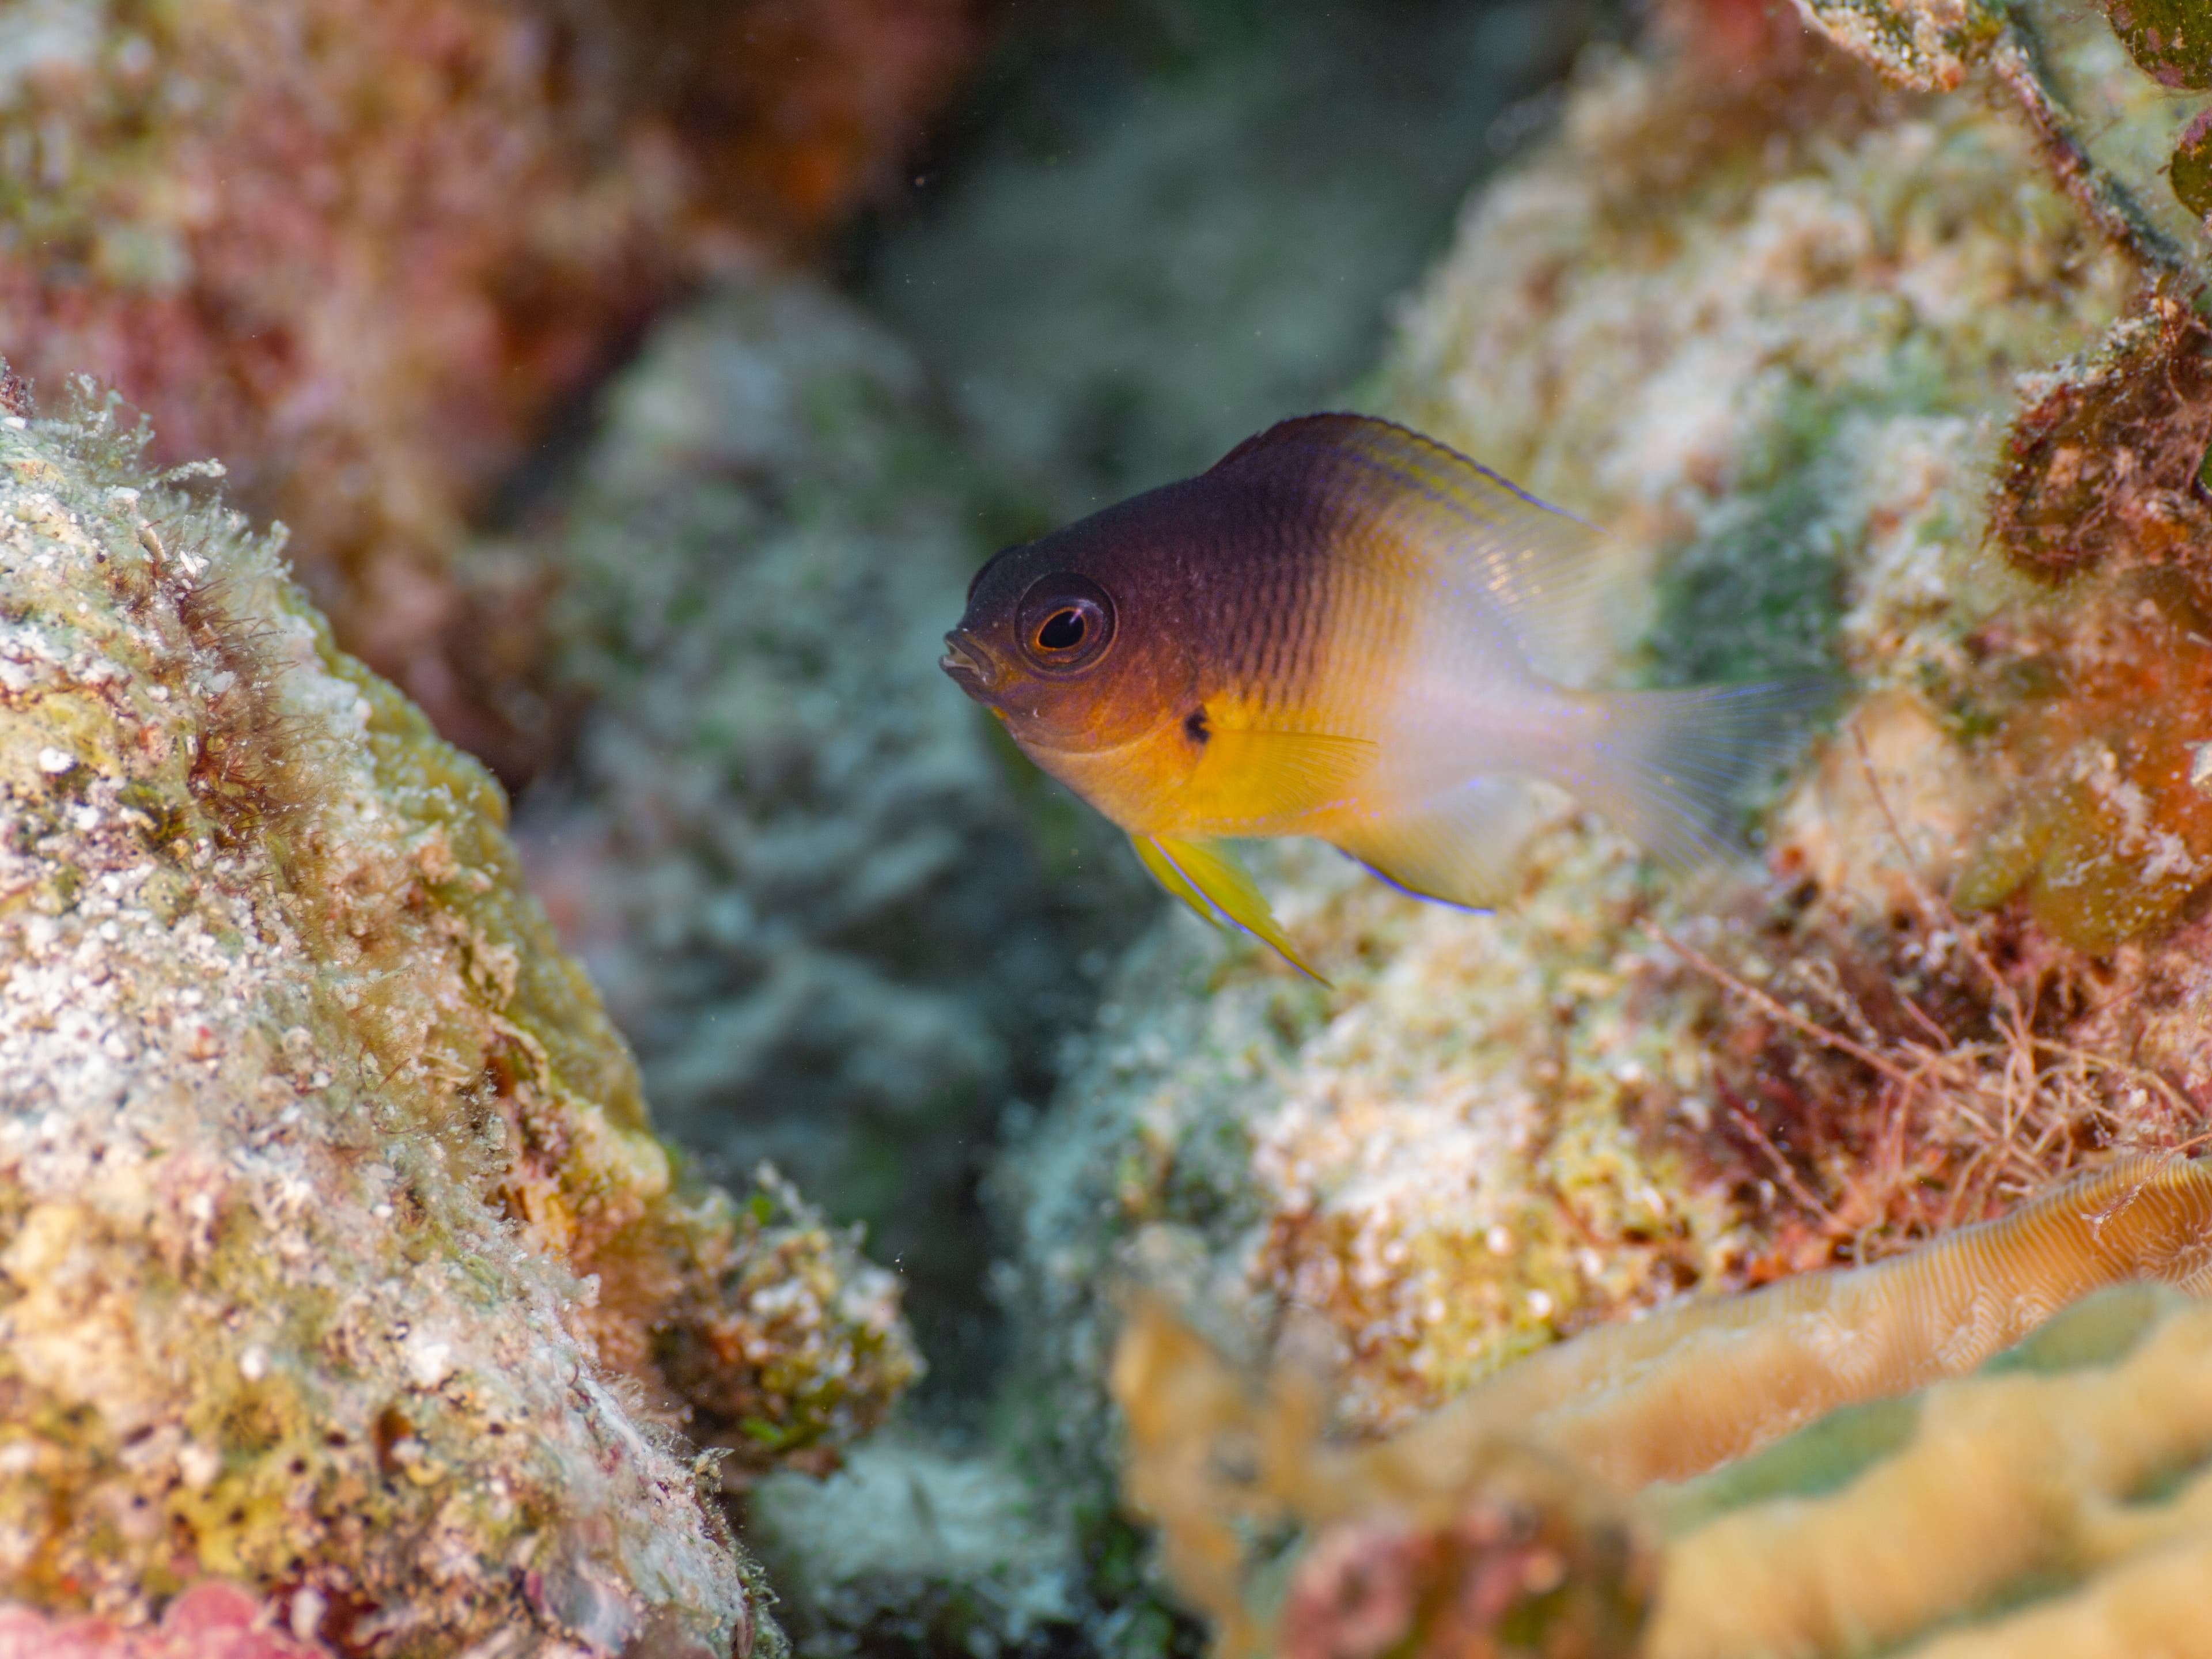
[1206, 876]
[1672, 769]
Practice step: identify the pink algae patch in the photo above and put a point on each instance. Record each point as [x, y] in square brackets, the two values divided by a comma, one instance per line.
[208, 1621]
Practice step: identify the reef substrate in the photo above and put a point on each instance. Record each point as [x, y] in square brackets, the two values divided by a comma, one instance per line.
[1865, 382]
[367, 252]
[338, 1260]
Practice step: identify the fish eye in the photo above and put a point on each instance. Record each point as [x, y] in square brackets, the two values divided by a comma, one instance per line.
[1067, 622]
[1063, 630]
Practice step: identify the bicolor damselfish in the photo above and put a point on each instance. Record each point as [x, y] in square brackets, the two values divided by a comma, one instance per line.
[1344, 630]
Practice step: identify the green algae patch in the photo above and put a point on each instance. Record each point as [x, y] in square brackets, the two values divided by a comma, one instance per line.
[2190, 170]
[337, 1251]
[1759, 596]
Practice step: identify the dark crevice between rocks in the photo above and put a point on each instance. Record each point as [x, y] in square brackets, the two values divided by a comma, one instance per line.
[847, 927]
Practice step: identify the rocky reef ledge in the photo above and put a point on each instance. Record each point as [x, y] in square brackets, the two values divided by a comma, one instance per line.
[337, 1258]
[1866, 379]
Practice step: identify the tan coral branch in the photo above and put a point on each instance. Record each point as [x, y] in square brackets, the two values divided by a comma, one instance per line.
[1663, 1400]
[2006, 1479]
[1698, 1385]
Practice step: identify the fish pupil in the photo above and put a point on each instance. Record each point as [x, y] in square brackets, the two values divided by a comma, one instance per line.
[1067, 623]
[1194, 724]
[1063, 630]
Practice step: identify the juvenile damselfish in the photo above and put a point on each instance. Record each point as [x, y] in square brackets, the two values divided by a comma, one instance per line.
[1344, 630]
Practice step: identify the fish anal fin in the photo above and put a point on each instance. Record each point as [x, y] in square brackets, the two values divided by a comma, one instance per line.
[1460, 848]
[1207, 878]
[1164, 871]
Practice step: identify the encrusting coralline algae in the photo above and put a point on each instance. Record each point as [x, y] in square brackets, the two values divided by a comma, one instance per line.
[336, 1257]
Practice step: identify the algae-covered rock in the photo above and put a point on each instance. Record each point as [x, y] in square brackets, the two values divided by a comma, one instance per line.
[1771, 349]
[365, 251]
[336, 1256]
[839, 921]
[1773, 333]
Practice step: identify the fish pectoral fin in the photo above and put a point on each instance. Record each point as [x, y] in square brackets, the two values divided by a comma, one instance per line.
[1320, 760]
[1207, 878]
[1266, 774]
[1460, 848]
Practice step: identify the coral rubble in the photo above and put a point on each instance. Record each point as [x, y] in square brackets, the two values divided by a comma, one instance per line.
[364, 252]
[336, 1256]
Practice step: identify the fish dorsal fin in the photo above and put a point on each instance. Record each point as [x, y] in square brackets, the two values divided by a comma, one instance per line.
[1461, 848]
[1206, 876]
[1479, 537]
[1299, 431]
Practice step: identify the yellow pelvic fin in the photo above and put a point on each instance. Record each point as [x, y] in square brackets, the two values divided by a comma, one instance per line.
[1207, 878]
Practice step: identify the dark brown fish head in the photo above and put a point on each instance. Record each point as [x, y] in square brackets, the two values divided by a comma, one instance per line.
[1064, 640]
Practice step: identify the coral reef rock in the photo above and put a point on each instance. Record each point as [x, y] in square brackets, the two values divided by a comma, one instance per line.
[337, 1259]
[1773, 329]
[837, 916]
[1638, 1490]
[362, 250]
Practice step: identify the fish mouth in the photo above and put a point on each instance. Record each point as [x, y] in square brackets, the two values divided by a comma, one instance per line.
[969, 666]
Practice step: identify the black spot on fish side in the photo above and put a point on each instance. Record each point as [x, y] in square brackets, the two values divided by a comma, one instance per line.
[1194, 724]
